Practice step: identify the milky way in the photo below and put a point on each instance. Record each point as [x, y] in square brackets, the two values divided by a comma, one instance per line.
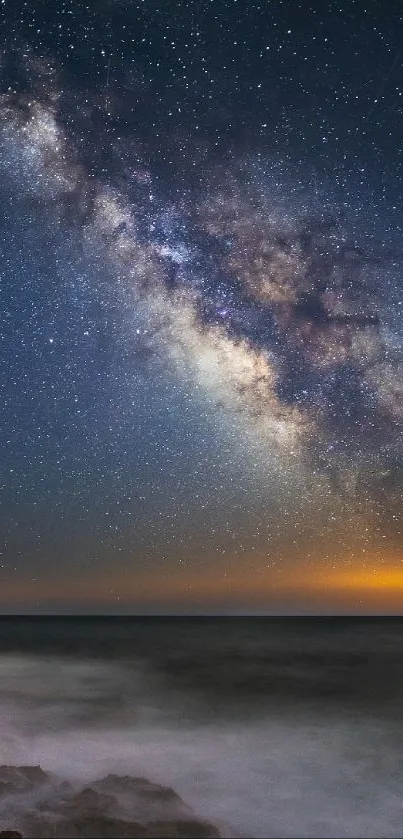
[235, 278]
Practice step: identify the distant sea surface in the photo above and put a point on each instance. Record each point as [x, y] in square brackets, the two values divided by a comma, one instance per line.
[267, 727]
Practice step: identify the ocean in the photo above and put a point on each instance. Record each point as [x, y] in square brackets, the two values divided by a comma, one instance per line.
[267, 727]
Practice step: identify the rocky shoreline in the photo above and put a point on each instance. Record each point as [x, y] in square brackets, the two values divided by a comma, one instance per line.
[34, 803]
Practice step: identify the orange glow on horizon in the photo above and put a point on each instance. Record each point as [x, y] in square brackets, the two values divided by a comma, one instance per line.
[378, 582]
[387, 577]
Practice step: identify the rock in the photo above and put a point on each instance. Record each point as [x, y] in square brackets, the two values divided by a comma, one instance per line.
[88, 803]
[21, 778]
[137, 786]
[84, 828]
[125, 807]
[107, 828]
[30, 779]
[141, 800]
[186, 829]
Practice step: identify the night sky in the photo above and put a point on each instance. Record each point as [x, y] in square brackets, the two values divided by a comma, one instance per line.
[201, 306]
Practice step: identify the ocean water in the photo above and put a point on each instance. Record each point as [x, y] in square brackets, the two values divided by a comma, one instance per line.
[267, 727]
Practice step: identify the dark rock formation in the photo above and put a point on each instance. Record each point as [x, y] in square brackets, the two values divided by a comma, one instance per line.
[21, 778]
[41, 805]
